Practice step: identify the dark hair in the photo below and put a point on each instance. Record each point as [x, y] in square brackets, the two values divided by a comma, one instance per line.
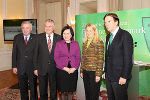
[71, 31]
[114, 16]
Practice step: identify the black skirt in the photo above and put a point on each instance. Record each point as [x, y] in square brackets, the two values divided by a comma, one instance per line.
[66, 82]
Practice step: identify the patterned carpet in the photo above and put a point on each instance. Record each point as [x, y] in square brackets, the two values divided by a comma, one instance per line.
[9, 94]
[14, 94]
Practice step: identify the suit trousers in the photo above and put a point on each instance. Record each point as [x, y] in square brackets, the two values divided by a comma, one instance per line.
[25, 80]
[43, 86]
[92, 88]
[116, 91]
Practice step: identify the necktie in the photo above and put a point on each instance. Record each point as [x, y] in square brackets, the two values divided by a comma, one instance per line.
[110, 39]
[26, 40]
[49, 44]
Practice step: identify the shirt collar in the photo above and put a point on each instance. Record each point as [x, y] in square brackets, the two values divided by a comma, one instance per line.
[28, 36]
[115, 32]
[51, 35]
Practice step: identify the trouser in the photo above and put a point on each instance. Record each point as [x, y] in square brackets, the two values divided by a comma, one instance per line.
[92, 88]
[24, 81]
[116, 91]
[43, 86]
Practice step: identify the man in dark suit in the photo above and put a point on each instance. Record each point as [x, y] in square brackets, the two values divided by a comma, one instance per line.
[46, 66]
[23, 58]
[118, 58]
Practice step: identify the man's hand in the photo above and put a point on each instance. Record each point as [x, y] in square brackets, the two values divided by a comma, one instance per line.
[15, 70]
[122, 81]
[36, 72]
[97, 79]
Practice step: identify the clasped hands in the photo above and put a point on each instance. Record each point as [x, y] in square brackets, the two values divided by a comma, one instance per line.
[69, 70]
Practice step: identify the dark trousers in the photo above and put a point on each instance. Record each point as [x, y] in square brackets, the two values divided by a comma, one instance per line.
[43, 86]
[25, 80]
[116, 91]
[92, 88]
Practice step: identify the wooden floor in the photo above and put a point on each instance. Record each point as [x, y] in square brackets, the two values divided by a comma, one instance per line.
[7, 79]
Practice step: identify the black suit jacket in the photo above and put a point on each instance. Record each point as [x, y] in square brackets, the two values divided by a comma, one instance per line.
[23, 57]
[45, 61]
[119, 56]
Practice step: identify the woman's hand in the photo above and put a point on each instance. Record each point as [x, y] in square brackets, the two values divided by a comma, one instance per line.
[81, 75]
[66, 69]
[72, 70]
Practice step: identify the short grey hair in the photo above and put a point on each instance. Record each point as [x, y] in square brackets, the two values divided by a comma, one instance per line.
[51, 21]
[26, 22]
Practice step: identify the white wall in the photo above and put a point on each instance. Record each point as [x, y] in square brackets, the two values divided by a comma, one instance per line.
[11, 9]
[49, 11]
[135, 4]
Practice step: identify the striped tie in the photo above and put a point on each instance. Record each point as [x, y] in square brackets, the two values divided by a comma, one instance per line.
[49, 44]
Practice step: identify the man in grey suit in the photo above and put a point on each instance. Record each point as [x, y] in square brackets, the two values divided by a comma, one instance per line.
[118, 58]
[23, 61]
[46, 66]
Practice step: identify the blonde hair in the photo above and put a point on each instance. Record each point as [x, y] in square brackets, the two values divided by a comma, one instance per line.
[96, 38]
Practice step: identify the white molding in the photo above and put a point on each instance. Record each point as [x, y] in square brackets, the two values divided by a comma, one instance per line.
[4, 15]
[28, 9]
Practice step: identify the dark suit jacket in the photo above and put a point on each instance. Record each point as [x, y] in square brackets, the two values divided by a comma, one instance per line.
[45, 61]
[119, 56]
[23, 57]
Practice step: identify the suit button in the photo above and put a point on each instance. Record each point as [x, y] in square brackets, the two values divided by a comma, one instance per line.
[49, 63]
[26, 56]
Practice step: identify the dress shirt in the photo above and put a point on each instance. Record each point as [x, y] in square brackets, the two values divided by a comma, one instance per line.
[28, 36]
[114, 34]
[47, 37]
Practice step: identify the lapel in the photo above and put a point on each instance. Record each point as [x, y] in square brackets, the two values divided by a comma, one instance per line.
[29, 44]
[44, 39]
[22, 41]
[45, 42]
[84, 46]
[91, 45]
[107, 40]
[115, 40]
[30, 40]
[54, 42]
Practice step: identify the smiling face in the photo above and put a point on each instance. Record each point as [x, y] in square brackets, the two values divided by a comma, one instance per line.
[49, 27]
[26, 29]
[67, 35]
[110, 24]
[90, 32]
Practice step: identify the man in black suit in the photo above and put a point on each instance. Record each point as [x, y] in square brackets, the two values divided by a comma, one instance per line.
[23, 58]
[118, 58]
[46, 66]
